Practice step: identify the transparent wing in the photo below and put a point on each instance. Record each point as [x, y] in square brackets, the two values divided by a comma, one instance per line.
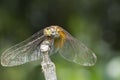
[23, 52]
[75, 51]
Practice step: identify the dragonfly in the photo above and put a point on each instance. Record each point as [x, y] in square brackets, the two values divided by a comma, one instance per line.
[61, 41]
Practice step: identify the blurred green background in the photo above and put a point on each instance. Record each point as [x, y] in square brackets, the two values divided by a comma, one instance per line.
[95, 22]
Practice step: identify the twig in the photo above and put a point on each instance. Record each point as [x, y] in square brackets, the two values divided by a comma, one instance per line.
[48, 66]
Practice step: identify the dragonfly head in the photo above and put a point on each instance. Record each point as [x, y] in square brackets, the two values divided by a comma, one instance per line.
[52, 31]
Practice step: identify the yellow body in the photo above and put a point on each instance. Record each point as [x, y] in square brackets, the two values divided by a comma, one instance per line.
[59, 35]
[61, 40]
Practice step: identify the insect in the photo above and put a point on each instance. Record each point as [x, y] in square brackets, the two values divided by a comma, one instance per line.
[61, 41]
